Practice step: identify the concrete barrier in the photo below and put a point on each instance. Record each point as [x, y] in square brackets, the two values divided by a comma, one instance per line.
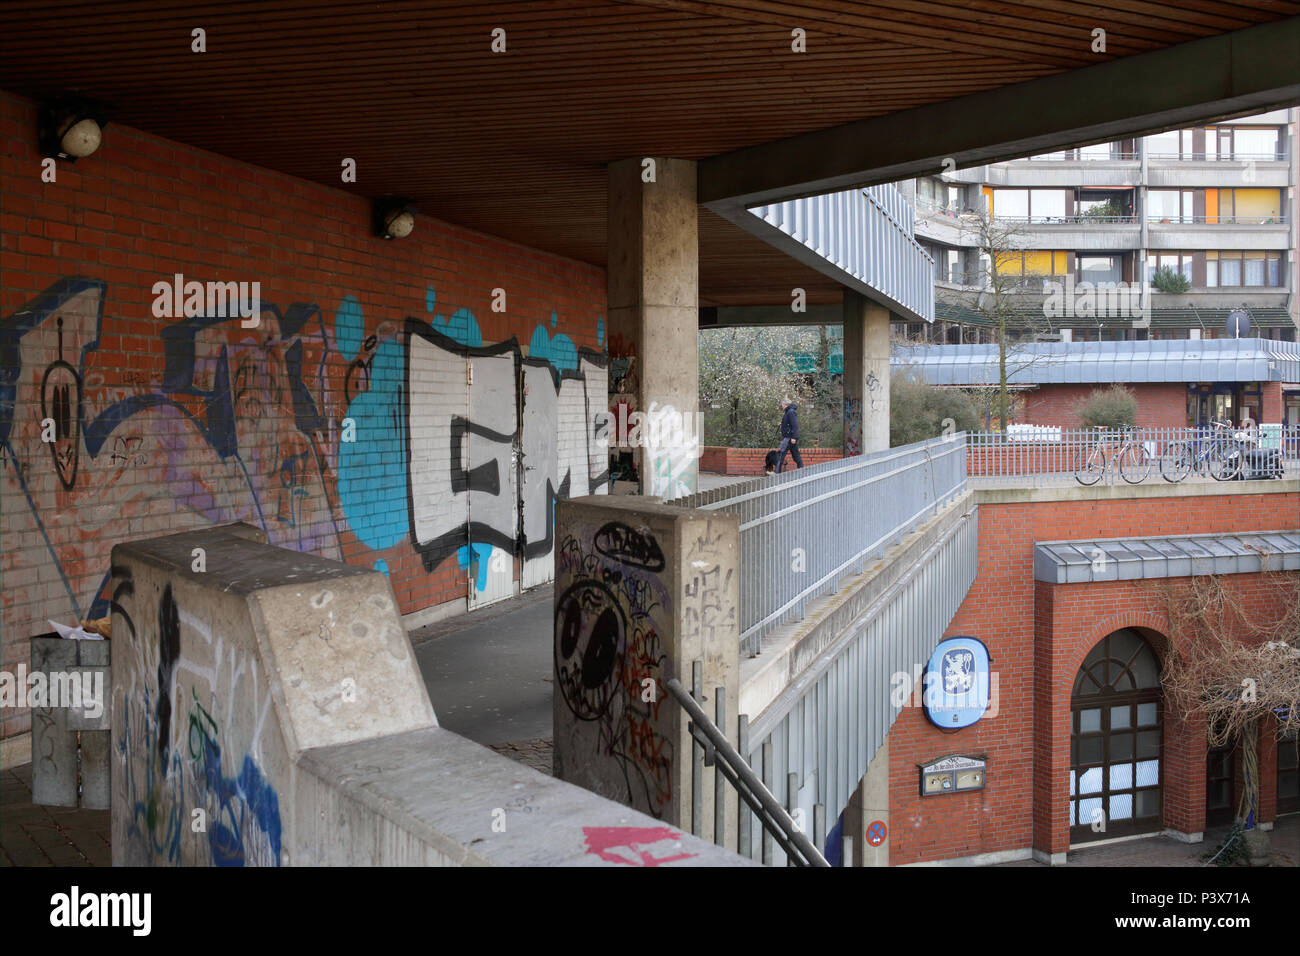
[267, 710]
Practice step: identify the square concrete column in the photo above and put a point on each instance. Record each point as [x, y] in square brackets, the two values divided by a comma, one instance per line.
[866, 375]
[653, 288]
[643, 590]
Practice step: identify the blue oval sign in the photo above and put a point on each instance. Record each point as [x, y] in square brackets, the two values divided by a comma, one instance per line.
[957, 682]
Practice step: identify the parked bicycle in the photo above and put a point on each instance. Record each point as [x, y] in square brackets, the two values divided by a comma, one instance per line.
[1132, 458]
[1218, 454]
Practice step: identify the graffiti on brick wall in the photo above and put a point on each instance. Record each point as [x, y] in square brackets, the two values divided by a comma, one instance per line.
[609, 657]
[298, 426]
[186, 801]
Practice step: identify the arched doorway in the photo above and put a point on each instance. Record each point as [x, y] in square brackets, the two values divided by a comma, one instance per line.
[1115, 740]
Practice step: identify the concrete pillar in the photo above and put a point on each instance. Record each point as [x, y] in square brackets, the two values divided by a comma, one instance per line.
[642, 590]
[866, 375]
[869, 803]
[653, 321]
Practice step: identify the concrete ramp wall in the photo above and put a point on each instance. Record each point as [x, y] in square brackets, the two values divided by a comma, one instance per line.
[268, 710]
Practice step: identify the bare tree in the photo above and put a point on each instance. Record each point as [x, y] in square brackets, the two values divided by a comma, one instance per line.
[1000, 297]
[1236, 670]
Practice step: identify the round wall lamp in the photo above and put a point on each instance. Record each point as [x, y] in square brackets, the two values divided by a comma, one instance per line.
[71, 128]
[392, 218]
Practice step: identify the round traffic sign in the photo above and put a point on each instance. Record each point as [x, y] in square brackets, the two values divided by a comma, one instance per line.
[876, 832]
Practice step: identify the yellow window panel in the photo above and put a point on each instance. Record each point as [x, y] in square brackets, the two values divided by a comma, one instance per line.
[1038, 263]
[1262, 203]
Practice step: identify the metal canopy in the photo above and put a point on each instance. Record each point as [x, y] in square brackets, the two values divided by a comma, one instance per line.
[1126, 559]
[1057, 363]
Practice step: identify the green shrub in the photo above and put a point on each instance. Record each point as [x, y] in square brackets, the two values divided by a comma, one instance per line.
[917, 411]
[1108, 408]
[1169, 279]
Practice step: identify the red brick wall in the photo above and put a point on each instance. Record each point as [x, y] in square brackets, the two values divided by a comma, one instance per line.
[749, 461]
[1272, 412]
[1037, 637]
[1158, 405]
[246, 423]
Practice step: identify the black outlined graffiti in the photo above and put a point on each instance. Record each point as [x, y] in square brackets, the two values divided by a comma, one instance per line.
[460, 465]
[626, 545]
[58, 388]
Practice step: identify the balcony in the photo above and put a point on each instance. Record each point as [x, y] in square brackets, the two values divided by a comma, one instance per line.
[1219, 232]
[1083, 233]
[1198, 170]
[1046, 172]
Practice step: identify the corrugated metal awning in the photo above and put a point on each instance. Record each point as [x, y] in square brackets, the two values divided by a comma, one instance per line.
[1125, 559]
[1055, 363]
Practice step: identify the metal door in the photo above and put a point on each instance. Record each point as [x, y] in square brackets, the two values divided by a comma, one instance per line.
[491, 460]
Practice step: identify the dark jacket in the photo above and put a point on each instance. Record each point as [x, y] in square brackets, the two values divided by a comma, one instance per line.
[790, 422]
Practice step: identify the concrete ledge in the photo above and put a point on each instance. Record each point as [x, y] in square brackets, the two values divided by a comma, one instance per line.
[988, 859]
[986, 495]
[431, 797]
[1048, 859]
[790, 650]
[1184, 837]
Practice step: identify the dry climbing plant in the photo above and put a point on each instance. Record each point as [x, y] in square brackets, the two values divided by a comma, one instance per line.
[1234, 669]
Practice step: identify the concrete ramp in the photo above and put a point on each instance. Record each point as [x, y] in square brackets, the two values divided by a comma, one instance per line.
[268, 710]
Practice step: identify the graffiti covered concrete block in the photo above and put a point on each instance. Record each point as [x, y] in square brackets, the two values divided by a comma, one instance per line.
[642, 590]
[223, 675]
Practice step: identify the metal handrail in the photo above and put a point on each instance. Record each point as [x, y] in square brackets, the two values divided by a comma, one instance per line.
[737, 771]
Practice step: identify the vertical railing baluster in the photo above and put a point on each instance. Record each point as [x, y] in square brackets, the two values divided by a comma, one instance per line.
[719, 781]
[697, 756]
[767, 782]
[791, 805]
[744, 813]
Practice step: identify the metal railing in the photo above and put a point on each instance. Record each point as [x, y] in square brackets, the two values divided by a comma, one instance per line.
[803, 530]
[1046, 456]
[1080, 156]
[710, 748]
[1278, 219]
[1068, 220]
[1278, 156]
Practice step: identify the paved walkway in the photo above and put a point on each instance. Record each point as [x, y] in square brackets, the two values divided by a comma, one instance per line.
[1284, 844]
[489, 673]
[47, 836]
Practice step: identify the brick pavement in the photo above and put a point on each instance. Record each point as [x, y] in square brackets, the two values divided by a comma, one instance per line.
[32, 835]
[1284, 844]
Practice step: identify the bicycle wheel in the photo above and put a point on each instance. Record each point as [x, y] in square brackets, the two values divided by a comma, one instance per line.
[1176, 463]
[1093, 467]
[1224, 461]
[1135, 463]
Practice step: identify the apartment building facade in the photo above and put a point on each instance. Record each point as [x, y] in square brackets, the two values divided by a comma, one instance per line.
[1201, 220]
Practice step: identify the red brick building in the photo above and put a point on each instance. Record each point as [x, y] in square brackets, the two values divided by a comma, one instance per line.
[1040, 634]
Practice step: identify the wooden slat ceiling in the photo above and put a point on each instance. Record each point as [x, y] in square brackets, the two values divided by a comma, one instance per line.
[515, 144]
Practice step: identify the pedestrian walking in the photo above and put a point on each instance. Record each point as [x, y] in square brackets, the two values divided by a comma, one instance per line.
[789, 435]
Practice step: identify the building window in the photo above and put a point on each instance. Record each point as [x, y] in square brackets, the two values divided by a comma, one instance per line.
[1236, 268]
[1099, 269]
[1243, 143]
[1178, 262]
[1171, 205]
